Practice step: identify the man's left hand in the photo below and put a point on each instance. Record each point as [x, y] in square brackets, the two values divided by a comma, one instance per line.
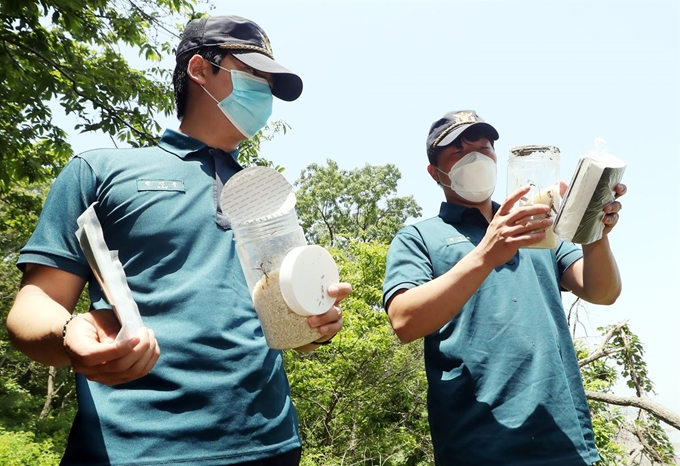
[612, 209]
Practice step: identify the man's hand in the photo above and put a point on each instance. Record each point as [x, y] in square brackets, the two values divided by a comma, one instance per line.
[511, 229]
[612, 209]
[330, 322]
[596, 277]
[90, 345]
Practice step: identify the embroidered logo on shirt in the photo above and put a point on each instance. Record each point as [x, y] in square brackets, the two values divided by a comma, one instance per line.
[457, 239]
[160, 185]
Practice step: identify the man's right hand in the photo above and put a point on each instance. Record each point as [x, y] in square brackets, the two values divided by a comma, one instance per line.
[91, 347]
[511, 229]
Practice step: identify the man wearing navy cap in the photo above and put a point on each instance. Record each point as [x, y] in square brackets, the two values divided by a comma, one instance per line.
[198, 385]
[504, 386]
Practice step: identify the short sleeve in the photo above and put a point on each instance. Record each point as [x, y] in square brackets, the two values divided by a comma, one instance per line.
[54, 242]
[566, 254]
[408, 263]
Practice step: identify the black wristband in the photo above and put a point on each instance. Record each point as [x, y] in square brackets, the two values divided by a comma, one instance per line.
[63, 332]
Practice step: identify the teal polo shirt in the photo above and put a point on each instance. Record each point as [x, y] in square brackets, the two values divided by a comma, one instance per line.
[504, 386]
[217, 395]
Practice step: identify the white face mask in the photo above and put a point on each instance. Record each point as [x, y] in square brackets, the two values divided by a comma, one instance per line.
[473, 177]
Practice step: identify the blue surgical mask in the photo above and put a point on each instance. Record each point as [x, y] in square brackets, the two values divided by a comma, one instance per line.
[249, 105]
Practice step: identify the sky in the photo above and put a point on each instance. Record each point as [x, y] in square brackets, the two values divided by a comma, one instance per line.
[563, 73]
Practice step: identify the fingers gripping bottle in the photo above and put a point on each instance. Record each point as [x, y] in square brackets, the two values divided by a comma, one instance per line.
[288, 279]
[539, 167]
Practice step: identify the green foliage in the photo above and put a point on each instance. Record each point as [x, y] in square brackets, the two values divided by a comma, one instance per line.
[19, 209]
[22, 448]
[249, 149]
[25, 404]
[607, 420]
[646, 428]
[361, 400]
[631, 361]
[621, 437]
[72, 53]
[358, 204]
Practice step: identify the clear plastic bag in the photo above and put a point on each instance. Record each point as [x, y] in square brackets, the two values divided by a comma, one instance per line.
[109, 273]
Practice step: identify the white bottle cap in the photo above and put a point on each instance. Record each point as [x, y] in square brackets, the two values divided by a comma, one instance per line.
[305, 275]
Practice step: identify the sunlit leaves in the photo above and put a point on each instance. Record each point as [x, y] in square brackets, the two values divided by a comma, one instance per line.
[623, 436]
[77, 54]
[359, 204]
[361, 400]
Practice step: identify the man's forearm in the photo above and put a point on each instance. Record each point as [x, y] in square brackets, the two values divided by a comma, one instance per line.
[35, 324]
[601, 278]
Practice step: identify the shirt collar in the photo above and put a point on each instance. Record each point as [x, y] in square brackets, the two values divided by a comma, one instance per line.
[453, 213]
[183, 145]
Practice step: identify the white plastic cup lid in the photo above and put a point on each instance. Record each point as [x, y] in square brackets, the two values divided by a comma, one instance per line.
[305, 275]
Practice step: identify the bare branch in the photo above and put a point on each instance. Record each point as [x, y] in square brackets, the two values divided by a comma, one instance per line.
[646, 449]
[666, 415]
[601, 350]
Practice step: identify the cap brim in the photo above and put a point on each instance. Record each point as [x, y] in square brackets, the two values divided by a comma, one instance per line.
[287, 85]
[461, 129]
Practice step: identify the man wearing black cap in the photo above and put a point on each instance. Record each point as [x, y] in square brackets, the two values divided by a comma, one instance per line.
[217, 395]
[504, 386]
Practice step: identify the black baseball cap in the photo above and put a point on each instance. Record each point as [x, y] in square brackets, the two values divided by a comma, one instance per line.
[445, 130]
[247, 42]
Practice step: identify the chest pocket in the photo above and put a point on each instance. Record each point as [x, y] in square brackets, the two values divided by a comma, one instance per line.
[445, 254]
[450, 253]
[457, 240]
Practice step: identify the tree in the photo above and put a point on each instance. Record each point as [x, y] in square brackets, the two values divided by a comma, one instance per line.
[623, 438]
[349, 390]
[36, 401]
[73, 53]
[361, 399]
[23, 449]
[359, 204]
[70, 54]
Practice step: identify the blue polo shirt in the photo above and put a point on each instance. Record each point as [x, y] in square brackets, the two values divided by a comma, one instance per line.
[217, 395]
[504, 385]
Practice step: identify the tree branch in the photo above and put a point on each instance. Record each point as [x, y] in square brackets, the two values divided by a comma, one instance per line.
[74, 81]
[601, 352]
[153, 20]
[631, 364]
[646, 449]
[666, 415]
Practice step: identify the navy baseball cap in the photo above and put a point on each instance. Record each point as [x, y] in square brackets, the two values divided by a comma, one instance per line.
[445, 130]
[247, 42]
